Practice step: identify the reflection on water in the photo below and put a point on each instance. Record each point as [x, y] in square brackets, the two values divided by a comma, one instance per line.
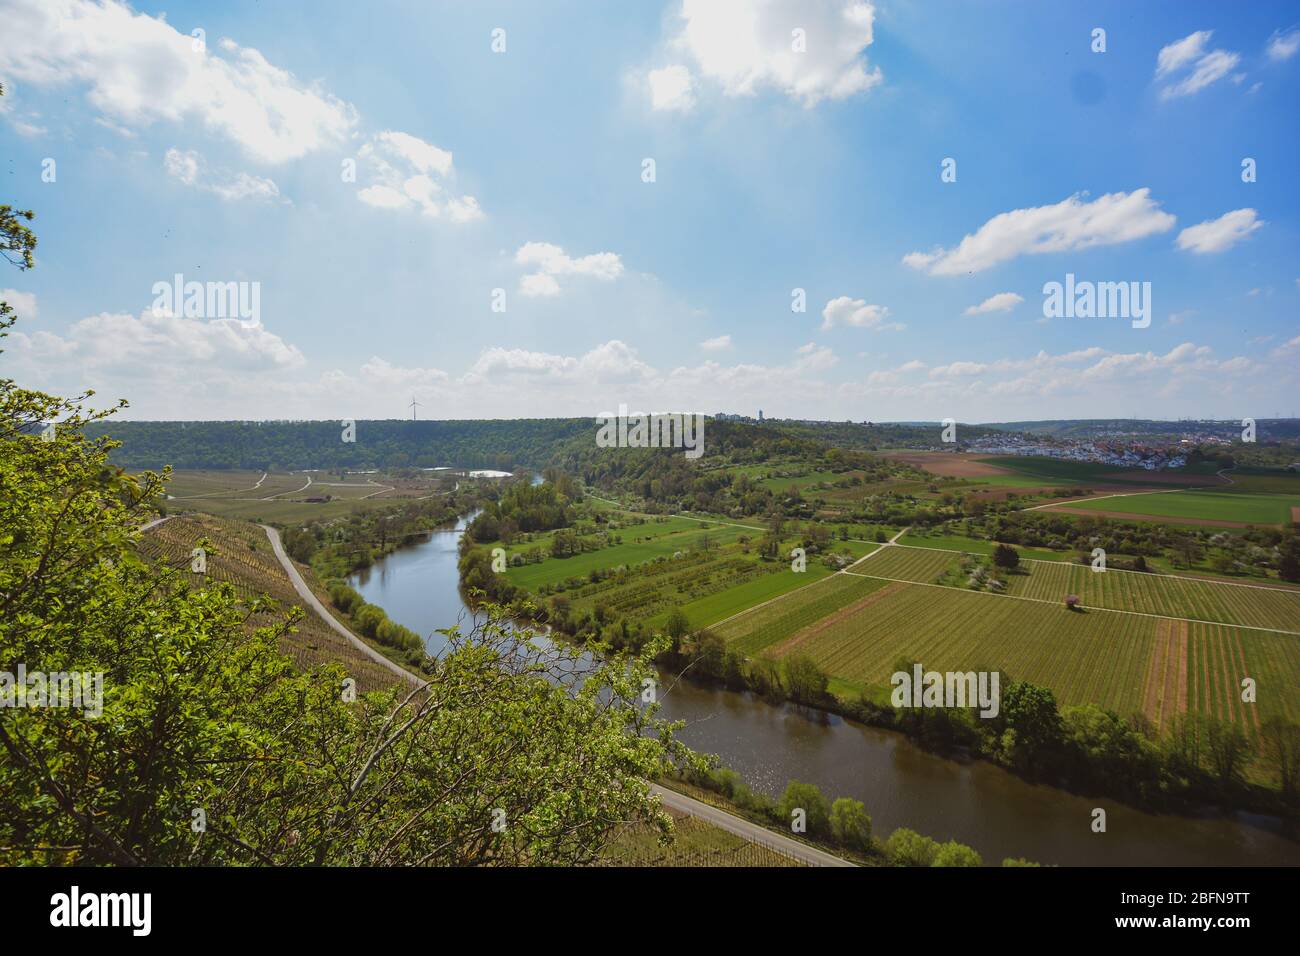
[973, 802]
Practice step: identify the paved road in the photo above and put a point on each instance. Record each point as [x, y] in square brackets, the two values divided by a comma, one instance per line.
[745, 829]
[314, 603]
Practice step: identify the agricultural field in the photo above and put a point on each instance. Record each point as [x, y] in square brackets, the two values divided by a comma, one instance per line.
[281, 497]
[243, 557]
[1060, 470]
[1144, 593]
[857, 630]
[660, 538]
[1227, 505]
[956, 542]
[708, 585]
[695, 843]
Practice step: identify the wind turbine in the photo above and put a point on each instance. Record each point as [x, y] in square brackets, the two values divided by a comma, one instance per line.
[414, 406]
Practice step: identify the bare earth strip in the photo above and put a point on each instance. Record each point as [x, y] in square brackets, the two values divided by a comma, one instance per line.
[1165, 695]
[950, 464]
[808, 633]
[1153, 688]
[1295, 515]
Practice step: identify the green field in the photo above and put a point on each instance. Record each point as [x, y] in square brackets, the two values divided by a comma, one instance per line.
[956, 542]
[641, 543]
[1059, 470]
[1156, 594]
[856, 631]
[1216, 505]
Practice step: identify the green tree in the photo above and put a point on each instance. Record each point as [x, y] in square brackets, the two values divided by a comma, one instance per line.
[1006, 557]
[507, 754]
[805, 681]
[953, 853]
[808, 798]
[1279, 745]
[677, 625]
[850, 824]
[1030, 726]
[908, 848]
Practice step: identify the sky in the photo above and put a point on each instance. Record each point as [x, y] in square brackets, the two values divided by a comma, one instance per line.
[823, 209]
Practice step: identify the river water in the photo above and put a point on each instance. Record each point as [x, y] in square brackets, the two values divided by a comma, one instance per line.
[973, 802]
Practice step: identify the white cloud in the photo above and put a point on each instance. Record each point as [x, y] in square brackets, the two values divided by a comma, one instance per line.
[1216, 235]
[1283, 46]
[1069, 224]
[189, 168]
[408, 173]
[140, 70]
[551, 261]
[1209, 67]
[139, 346]
[1002, 302]
[23, 303]
[747, 45]
[538, 285]
[1181, 52]
[672, 88]
[716, 344]
[22, 124]
[857, 313]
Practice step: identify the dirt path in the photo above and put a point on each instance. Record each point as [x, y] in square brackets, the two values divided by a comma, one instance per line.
[217, 494]
[1165, 693]
[314, 603]
[294, 492]
[1063, 506]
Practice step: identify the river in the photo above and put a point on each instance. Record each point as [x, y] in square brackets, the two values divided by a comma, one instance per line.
[973, 802]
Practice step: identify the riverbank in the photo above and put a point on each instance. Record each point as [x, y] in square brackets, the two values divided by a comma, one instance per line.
[901, 784]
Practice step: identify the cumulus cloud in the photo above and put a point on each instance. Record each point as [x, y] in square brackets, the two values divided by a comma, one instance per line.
[139, 70]
[672, 88]
[716, 344]
[550, 262]
[1205, 68]
[1070, 224]
[140, 346]
[405, 172]
[858, 314]
[810, 50]
[23, 303]
[1002, 302]
[1216, 235]
[188, 167]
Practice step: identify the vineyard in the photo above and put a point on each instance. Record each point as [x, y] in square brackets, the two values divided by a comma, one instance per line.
[242, 557]
[857, 627]
[695, 843]
[756, 630]
[1158, 594]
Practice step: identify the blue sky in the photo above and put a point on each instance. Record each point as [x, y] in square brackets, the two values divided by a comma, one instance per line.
[775, 169]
